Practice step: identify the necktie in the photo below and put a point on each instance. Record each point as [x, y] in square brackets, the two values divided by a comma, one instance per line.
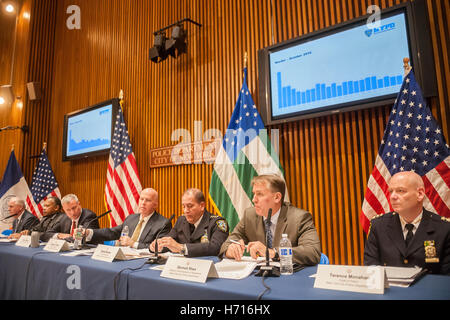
[74, 226]
[137, 231]
[191, 228]
[410, 234]
[269, 234]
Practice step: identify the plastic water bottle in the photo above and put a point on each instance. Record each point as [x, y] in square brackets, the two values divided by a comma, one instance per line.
[285, 255]
[78, 238]
[124, 232]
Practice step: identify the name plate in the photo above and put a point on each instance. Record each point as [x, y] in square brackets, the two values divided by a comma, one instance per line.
[196, 270]
[56, 245]
[24, 241]
[351, 278]
[108, 253]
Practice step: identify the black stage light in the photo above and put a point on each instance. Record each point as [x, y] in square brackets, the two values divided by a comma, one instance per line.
[176, 45]
[158, 53]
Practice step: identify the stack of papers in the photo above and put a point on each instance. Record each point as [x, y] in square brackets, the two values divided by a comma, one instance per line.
[232, 269]
[403, 277]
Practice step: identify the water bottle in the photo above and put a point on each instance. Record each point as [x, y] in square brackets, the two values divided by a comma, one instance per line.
[285, 256]
[124, 232]
[78, 238]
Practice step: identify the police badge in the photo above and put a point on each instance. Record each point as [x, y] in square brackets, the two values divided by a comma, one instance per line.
[430, 252]
[204, 238]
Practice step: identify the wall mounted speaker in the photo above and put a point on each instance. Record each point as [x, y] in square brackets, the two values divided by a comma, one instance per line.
[34, 90]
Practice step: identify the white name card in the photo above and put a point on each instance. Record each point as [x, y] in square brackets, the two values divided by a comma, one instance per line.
[351, 278]
[108, 253]
[24, 241]
[196, 270]
[56, 245]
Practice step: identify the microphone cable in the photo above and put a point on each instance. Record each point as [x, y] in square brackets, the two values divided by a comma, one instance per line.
[264, 284]
[117, 276]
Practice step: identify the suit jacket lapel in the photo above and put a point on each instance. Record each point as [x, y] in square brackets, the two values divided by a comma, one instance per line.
[281, 226]
[396, 234]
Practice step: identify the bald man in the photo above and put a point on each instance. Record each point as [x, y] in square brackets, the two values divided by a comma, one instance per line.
[410, 235]
[143, 226]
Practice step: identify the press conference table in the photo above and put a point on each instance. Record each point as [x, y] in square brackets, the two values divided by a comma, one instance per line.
[32, 273]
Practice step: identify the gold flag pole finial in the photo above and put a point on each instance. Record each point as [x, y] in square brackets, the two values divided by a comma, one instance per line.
[406, 66]
[44, 146]
[121, 99]
[12, 147]
[245, 59]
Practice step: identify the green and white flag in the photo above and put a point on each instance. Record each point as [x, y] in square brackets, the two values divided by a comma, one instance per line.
[244, 153]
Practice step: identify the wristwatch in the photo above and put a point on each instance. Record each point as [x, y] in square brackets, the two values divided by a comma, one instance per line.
[183, 250]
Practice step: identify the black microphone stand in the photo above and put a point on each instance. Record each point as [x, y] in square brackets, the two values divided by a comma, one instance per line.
[157, 259]
[268, 270]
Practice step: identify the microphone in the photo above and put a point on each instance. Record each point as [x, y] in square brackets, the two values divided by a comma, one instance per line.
[96, 218]
[83, 241]
[157, 259]
[11, 215]
[268, 270]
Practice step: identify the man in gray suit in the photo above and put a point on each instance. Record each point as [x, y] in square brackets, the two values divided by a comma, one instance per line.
[23, 219]
[269, 193]
[143, 226]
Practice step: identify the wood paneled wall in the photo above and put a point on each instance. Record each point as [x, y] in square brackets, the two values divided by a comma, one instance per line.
[327, 160]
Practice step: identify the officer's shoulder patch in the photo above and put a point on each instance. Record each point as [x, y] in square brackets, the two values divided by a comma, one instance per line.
[222, 225]
[445, 219]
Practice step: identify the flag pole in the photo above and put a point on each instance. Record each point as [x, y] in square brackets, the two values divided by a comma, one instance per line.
[121, 99]
[12, 147]
[245, 59]
[406, 66]
[44, 146]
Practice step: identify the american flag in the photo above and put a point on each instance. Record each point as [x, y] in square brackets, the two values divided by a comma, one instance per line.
[412, 141]
[43, 185]
[123, 186]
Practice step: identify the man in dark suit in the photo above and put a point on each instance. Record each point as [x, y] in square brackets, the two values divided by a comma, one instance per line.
[196, 233]
[143, 226]
[268, 193]
[77, 216]
[410, 235]
[23, 219]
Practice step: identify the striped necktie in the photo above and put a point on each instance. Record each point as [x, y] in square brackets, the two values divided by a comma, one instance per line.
[137, 231]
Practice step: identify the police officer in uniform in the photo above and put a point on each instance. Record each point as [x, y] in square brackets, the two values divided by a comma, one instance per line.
[410, 235]
[196, 233]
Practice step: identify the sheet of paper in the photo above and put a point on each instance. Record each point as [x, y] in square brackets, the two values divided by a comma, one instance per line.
[74, 253]
[7, 240]
[402, 273]
[232, 269]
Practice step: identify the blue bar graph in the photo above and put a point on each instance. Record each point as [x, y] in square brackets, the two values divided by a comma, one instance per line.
[289, 96]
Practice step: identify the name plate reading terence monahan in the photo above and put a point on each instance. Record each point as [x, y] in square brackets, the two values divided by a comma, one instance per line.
[351, 278]
[196, 270]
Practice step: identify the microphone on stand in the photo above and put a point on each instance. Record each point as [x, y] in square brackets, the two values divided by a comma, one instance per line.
[83, 241]
[268, 270]
[96, 218]
[11, 215]
[157, 259]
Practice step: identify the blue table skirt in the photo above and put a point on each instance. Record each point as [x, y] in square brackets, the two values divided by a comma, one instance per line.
[28, 273]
